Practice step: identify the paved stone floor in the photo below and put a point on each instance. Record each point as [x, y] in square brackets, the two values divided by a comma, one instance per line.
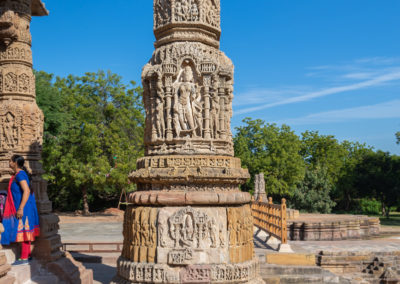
[112, 232]
[91, 232]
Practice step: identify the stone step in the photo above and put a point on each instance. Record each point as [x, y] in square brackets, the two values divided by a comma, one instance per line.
[289, 279]
[272, 269]
[49, 279]
[33, 273]
[21, 273]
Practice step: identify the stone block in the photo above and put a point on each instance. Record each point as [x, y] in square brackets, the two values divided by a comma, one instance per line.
[49, 225]
[48, 248]
[296, 259]
[4, 269]
[11, 252]
[71, 271]
[8, 279]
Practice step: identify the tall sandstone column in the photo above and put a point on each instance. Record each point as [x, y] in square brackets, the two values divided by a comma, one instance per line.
[188, 222]
[21, 121]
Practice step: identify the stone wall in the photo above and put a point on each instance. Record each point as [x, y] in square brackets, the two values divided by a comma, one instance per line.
[333, 228]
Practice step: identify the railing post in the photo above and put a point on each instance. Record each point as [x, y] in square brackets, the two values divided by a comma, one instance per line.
[283, 222]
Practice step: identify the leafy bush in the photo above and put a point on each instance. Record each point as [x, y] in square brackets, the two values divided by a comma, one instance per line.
[370, 206]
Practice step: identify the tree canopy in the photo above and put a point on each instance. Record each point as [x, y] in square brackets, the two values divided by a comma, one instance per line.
[274, 151]
[93, 136]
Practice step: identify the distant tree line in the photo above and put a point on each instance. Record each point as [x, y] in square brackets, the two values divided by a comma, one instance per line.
[93, 134]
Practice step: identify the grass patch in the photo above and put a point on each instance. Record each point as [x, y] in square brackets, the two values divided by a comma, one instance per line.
[393, 220]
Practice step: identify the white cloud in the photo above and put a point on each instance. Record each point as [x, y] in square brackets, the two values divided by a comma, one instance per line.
[389, 77]
[390, 109]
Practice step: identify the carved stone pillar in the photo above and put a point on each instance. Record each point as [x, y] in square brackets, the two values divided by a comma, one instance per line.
[188, 222]
[21, 130]
[21, 126]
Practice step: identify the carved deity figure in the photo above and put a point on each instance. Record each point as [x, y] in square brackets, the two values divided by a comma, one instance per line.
[214, 115]
[179, 15]
[213, 231]
[159, 117]
[194, 12]
[187, 105]
[162, 12]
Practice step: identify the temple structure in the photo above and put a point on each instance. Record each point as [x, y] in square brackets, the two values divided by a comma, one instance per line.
[21, 128]
[188, 222]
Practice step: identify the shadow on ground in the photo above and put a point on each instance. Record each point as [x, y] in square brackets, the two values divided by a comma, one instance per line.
[104, 268]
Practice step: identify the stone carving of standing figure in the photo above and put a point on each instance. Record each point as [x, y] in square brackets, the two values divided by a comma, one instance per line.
[214, 115]
[183, 108]
[228, 110]
[159, 113]
[198, 114]
[194, 12]
[179, 16]
[185, 9]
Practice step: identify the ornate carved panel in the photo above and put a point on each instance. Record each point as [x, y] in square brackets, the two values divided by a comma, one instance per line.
[191, 235]
[188, 92]
[21, 127]
[140, 234]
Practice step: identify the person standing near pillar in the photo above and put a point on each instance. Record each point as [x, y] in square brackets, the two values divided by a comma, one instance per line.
[21, 218]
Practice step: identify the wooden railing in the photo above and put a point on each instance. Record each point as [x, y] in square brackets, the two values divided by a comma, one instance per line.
[271, 218]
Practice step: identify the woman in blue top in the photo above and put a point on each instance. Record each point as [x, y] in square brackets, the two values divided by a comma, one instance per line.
[21, 218]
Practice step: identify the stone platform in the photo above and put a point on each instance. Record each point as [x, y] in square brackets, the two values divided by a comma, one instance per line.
[323, 227]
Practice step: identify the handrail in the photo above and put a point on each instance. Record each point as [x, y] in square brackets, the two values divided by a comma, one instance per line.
[271, 218]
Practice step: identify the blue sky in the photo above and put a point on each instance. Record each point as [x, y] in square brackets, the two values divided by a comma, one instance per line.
[327, 65]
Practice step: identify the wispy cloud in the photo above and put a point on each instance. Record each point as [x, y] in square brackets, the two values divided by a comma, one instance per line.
[389, 77]
[384, 110]
[260, 95]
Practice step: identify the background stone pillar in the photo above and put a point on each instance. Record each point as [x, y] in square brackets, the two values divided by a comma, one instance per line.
[188, 222]
[259, 188]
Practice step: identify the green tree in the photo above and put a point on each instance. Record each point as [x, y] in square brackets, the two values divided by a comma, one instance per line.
[346, 190]
[378, 176]
[273, 151]
[323, 151]
[313, 193]
[98, 143]
[398, 137]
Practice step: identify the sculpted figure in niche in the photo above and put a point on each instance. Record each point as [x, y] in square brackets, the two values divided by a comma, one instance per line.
[159, 112]
[187, 106]
[214, 115]
[185, 9]
[194, 12]
[228, 110]
[179, 15]
[198, 113]
[162, 12]
[8, 131]
[213, 231]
